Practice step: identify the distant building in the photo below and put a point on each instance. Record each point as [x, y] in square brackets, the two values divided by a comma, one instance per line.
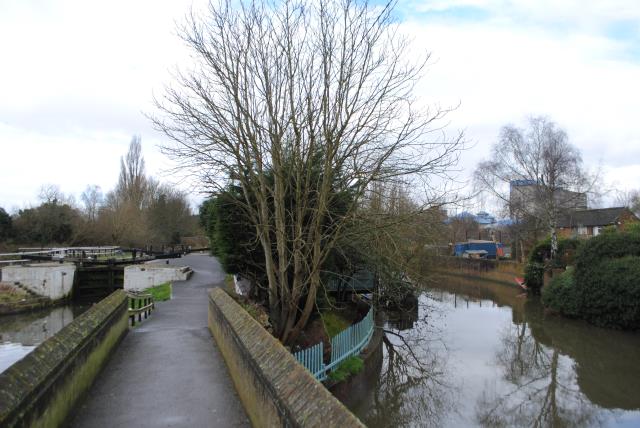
[525, 198]
[483, 218]
[587, 223]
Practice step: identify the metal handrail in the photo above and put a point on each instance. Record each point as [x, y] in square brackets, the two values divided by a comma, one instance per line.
[140, 304]
[343, 345]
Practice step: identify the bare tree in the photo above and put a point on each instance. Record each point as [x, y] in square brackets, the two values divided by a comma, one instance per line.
[298, 102]
[51, 194]
[132, 182]
[629, 199]
[92, 198]
[537, 173]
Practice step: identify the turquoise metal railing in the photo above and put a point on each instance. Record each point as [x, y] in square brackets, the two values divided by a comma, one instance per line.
[345, 344]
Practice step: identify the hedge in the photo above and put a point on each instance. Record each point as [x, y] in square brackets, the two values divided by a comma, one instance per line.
[561, 294]
[604, 288]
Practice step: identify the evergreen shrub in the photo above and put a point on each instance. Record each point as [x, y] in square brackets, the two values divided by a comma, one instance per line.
[561, 294]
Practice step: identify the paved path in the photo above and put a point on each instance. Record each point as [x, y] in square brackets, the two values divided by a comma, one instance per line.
[167, 372]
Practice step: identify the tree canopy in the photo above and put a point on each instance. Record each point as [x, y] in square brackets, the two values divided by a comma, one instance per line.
[317, 95]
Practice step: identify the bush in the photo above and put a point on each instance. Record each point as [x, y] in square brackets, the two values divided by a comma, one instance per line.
[604, 289]
[561, 294]
[534, 275]
[539, 260]
[605, 246]
[610, 294]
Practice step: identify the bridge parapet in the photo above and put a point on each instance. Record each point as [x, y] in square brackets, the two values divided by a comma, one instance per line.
[274, 388]
[42, 388]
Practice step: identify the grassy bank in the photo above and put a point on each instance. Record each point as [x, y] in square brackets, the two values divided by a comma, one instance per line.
[160, 292]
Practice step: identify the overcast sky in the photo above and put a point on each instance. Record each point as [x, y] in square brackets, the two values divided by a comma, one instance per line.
[76, 78]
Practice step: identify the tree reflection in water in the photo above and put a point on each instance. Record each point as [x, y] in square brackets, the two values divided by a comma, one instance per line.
[412, 389]
[544, 394]
[508, 364]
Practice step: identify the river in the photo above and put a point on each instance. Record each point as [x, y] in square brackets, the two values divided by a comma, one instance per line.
[21, 333]
[483, 354]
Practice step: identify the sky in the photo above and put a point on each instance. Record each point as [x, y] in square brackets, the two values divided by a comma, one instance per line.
[77, 78]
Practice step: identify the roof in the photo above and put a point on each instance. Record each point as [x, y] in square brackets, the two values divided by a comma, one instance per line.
[594, 217]
[522, 182]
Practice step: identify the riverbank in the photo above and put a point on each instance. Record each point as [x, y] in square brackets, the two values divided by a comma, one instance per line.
[499, 271]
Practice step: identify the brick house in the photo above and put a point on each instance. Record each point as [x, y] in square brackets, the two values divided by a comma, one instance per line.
[587, 223]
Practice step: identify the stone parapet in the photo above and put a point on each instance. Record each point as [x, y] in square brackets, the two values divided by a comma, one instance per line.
[274, 388]
[41, 389]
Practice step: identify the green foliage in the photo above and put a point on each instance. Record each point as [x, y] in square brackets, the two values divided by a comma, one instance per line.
[349, 367]
[334, 323]
[611, 296]
[633, 228]
[534, 275]
[232, 236]
[604, 289]
[604, 246]
[160, 292]
[539, 260]
[561, 294]
[51, 222]
[6, 225]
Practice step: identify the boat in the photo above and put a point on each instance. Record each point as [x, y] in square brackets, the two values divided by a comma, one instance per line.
[521, 282]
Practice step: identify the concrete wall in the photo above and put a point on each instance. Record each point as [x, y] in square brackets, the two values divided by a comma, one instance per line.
[274, 388]
[139, 277]
[500, 271]
[52, 280]
[41, 389]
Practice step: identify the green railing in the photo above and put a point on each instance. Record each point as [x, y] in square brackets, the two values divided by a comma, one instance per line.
[140, 305]
[345, 344]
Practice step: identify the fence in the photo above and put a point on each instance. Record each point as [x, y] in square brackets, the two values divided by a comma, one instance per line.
[345, 344]
[140, 305]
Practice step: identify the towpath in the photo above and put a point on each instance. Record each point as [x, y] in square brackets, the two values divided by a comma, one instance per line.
[168, 372]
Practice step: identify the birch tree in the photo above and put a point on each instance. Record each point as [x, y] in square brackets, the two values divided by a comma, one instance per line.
[537, 173]
[297, 102]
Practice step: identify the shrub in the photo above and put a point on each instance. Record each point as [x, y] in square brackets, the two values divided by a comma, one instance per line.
[539, 260]
[610, 293]
[605, 246]
[534, 275]
[604, 289]
[561, 294]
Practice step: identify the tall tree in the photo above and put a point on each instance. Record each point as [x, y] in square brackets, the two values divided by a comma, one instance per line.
[169, 216]
[6, 225]
[92, 198]
[537, 173]
[319, 94]
[132, 182]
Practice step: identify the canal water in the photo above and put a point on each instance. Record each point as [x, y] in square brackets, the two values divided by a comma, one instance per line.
[482, 354]
[21, 333]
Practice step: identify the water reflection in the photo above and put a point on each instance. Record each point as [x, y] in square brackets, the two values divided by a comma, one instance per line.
[410, 363]
[21, 333]
[483, 354]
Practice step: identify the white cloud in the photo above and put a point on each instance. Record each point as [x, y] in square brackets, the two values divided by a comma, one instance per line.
[502, 73]
[77, 75]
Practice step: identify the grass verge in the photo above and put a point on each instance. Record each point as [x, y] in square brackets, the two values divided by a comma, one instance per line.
[348, 367]
[160, 292]
[334, 323]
